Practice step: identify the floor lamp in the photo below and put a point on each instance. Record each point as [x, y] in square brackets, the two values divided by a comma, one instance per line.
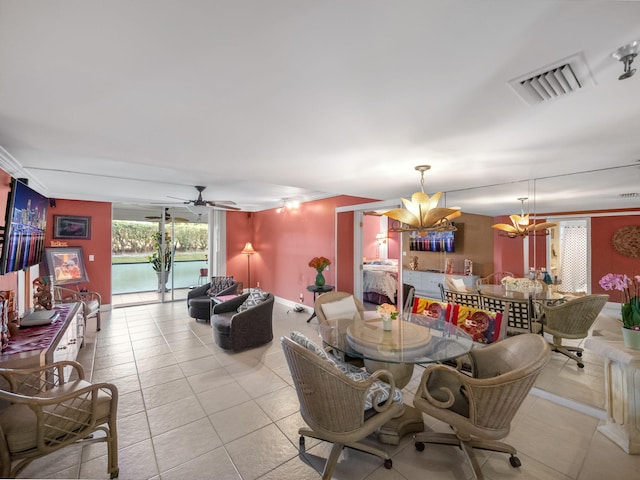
[248, 251]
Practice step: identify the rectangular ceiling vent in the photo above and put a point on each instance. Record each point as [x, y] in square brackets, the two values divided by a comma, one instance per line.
[552, 82]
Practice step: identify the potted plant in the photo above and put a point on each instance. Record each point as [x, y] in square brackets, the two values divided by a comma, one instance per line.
[630, 309]
[156, 259]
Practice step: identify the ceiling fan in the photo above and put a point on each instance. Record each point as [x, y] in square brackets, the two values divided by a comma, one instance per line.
[167, 217]
[199, 202]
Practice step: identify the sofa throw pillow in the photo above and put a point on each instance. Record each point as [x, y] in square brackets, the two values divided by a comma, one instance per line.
[343, 308]
[256, 297]
[309, 345]
[218, 284]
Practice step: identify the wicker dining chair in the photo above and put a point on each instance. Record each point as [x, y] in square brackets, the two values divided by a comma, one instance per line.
[494, 278]
[333, 405]
[480, 407]
[570, 320]
[46, 413]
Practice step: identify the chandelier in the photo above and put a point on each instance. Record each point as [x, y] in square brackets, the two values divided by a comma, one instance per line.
[421, 213]
[521, 226]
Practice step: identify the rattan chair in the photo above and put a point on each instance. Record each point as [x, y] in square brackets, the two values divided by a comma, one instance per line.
[479, 408]
[333, 405]
[333, 297]
[45, 413]
[570, 320]
[520, 316]
[91, 301]
[408, 294]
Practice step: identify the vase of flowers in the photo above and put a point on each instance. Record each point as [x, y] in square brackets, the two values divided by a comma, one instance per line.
[319, 263]
[388, 313]
[629, 289]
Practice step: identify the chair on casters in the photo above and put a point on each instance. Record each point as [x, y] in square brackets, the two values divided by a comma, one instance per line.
[46, 413]
[334, 404]
[570, 320]
[479, 407]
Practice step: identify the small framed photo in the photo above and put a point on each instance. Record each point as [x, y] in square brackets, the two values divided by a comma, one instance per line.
[67, 226]
[66, 265]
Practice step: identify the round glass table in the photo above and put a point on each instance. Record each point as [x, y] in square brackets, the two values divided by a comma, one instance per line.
[418, 339]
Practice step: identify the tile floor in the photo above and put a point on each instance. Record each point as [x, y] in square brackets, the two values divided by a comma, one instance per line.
[190, 410]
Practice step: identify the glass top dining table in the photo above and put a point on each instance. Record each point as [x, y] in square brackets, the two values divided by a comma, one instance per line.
[501, 291]
[418, 339]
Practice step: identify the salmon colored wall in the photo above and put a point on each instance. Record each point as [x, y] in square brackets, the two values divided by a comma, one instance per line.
[370, 228]
[604, 258]
[285, 243]
[99, 271]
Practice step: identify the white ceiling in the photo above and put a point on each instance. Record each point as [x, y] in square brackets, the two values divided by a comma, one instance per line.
[260, 100]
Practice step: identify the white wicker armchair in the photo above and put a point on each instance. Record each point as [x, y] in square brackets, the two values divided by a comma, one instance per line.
[92, 301]
[43, 413]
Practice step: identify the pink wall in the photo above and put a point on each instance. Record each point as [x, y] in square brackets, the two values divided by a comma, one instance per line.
[370, 228]
[605, 259]
[99, 245]
[285, 243]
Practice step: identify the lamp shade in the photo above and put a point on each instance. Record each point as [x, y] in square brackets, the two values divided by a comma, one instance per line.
[248, 249]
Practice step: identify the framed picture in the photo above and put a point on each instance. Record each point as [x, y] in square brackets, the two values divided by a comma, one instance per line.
[66, 265]
[67, 226]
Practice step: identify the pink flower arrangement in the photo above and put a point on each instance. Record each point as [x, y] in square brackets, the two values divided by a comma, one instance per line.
[387, 309]
[629, 288]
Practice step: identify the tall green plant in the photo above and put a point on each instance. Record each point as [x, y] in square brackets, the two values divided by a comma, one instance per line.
[156, 258]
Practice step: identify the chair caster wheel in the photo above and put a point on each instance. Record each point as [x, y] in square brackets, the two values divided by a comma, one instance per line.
[388, 464]
[579, 354]
[115, 473]
[301, 443]
[420, 446]
[515, 461]
[581, 365]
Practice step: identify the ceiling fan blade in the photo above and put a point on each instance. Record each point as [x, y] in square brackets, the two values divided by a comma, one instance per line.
[222, 205]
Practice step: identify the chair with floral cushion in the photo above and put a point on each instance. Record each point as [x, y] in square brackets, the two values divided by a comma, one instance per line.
[340, 403]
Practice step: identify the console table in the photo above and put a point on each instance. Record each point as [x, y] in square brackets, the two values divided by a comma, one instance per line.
[37, 346]
[622, 384]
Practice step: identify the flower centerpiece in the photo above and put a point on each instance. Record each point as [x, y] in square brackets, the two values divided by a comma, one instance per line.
[388, 313]
[319, 263]
[629, 289]
[523, 285]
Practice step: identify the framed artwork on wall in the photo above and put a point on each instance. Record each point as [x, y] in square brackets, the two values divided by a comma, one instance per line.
[66, 265]
[74, 227]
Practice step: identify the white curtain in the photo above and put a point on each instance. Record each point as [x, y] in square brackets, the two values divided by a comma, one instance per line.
[573, 258]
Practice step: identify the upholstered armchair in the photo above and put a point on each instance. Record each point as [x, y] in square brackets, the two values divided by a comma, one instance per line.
[91, 301]
[480, 407]
[45, 413]
[199, 298]
[237, 329]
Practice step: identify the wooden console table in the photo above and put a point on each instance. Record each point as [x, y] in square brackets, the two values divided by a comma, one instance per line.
[37, 346]
[622, 384]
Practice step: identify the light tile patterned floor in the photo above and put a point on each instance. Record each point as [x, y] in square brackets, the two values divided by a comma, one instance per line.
[190, 410]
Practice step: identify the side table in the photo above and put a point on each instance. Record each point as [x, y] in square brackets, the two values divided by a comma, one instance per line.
[316, 291]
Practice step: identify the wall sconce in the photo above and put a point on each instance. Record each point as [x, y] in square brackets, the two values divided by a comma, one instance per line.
[381, 238]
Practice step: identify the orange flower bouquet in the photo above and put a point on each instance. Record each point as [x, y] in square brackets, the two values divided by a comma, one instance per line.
[319, 263]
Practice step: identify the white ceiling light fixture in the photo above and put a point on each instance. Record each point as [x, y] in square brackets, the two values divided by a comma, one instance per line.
[288, 204]
[199, 209]
[626, 54]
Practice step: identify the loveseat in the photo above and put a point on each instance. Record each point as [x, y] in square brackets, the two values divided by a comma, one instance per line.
[248, 328]
[199, 298]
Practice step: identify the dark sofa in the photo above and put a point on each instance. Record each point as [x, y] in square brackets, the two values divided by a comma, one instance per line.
[199, 302]
[237, 331]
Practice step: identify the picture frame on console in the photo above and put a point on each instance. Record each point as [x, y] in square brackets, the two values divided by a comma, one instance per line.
[71, 227]
[66, 265]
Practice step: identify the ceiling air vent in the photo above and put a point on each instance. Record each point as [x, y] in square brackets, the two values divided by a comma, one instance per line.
[552, 82]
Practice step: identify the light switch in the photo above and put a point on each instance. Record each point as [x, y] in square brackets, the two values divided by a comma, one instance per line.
[91, 258]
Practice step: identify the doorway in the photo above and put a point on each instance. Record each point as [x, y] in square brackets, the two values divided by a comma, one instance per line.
[569, 255]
